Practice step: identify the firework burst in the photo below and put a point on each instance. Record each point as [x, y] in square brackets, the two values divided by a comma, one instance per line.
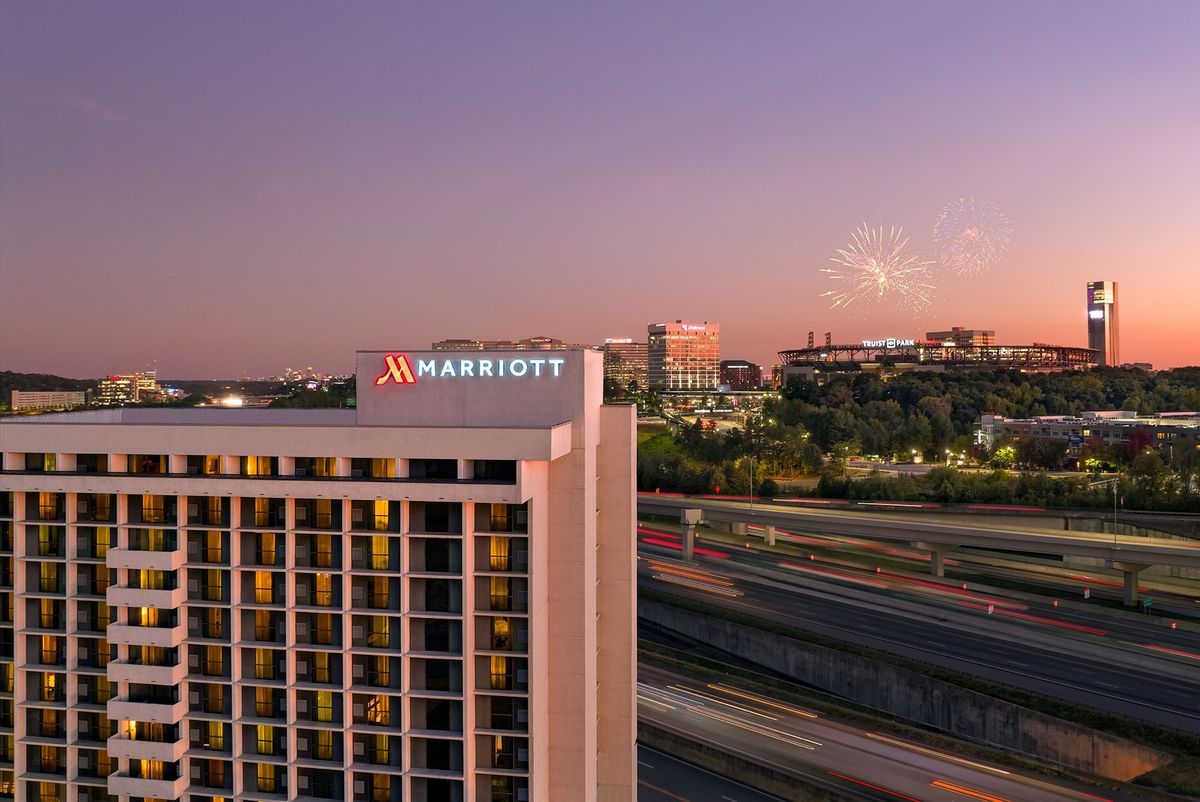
[877, 266]
[971, 235]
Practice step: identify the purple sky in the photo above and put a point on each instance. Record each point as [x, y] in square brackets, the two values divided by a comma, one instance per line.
[236, 187]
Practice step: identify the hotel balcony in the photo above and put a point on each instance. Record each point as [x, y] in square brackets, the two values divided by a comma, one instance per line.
[129, 635]
[146, 560]
[123, 709]
[121, 596]
[122, 746]
[121, 784]
[124, 671]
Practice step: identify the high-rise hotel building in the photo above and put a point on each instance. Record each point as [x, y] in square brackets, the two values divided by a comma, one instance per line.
[684, 355]
[428, 598]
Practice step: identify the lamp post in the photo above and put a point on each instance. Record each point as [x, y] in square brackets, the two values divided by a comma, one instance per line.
[1115, 482]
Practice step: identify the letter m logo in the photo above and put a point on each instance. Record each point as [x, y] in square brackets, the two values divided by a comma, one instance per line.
[396, 370]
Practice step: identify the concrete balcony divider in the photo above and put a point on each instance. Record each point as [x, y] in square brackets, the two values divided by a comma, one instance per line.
[122, 671]
[124, 785]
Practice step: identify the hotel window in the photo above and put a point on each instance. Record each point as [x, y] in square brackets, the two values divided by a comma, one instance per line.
[48, 577]
[214, 623]
[212, 511]
[324, 513]
[323, 595]
[103, 507]
[50, 653]
[383, 468]
[262, 513]
[500, 677]
[212, 465]
[381, 788]
[501, 634]
[152, 509]
[264, 587]
[379, 710]
[380, 674]
[105, 615]
[324, 706]
[47, 541]
[323, 551]
[379, 552]
[103, 538]
[498, 518]
[321, 668]
[265, 550]
[324, 466]
[264, 664]
[212, 548]
[47, 506]
[324, 750]
[501, 593]
[501, 559]
[49, 792]
[214, 775]
[103, 690]
[264, 703]
[379, 635]
[265, 738]
[214, 584]
[323, 629]
[263, 631]
[150, 579]
[214, 661]
[380, 596]
[381, 515]
[266, 778]
[214, 699]
[49, 687]
[258, 466]
[150, 769]
[104, 763]
[379, 750]
[103, 653]
[48, 618]
[216, 736]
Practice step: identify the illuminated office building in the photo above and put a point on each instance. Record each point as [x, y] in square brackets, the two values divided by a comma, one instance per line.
[430, 597]
[684, 355]
[1103, 333]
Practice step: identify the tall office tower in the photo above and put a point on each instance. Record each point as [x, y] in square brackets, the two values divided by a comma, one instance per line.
[1103, 334]
[684, 355]
[428, 598]
[625, 362]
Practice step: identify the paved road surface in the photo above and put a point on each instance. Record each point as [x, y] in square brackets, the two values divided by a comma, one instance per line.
[662, 778]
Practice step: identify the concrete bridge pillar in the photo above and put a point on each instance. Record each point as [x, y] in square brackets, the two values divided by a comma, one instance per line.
[1131, 572]
[690, 519]
[768, 535]
[937, 555]
[739, 528]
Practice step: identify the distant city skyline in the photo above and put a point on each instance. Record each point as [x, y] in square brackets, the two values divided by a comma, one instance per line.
[228, 190]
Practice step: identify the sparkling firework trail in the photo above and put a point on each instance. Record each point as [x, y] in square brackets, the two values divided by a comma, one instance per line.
[877, 266]
[971, 235]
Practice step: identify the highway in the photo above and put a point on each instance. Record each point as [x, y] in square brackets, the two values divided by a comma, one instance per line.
[1132, 549]
[1112, 664]
[662, 778]
[860, 763]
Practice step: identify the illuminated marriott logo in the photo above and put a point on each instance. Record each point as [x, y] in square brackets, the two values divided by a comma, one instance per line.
[397, 370]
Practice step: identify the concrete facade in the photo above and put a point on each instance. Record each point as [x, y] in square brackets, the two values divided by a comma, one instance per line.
[428, 598]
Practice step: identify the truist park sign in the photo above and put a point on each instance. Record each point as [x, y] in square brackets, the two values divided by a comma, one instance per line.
[399, 369]
[475, 388]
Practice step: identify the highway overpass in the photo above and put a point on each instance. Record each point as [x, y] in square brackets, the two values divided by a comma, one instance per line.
[1125, 553]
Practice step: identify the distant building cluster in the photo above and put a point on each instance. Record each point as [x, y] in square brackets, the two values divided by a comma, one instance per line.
[1163, 432]
[130, 388]
[738, 374]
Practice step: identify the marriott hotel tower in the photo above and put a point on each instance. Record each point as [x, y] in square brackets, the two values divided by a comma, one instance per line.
[430, 597]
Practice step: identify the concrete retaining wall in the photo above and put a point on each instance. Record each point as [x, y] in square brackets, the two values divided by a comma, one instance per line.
[915, 697]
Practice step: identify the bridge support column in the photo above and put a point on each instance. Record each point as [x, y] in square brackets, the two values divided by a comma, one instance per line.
[768, 535]
[1131, 572]
[739, 528]
[690, 519]
[937, 556]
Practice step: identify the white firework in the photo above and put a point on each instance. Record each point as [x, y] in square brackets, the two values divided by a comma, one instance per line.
[971, 235]
[876, 267]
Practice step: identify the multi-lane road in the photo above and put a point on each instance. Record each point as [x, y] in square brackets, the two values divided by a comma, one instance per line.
[859, 763]
[1109, 662]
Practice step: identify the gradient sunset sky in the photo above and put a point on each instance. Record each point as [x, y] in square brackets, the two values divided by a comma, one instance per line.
[230, 188]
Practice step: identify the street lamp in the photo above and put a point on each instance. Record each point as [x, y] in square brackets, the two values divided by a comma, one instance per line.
[1115, 482]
